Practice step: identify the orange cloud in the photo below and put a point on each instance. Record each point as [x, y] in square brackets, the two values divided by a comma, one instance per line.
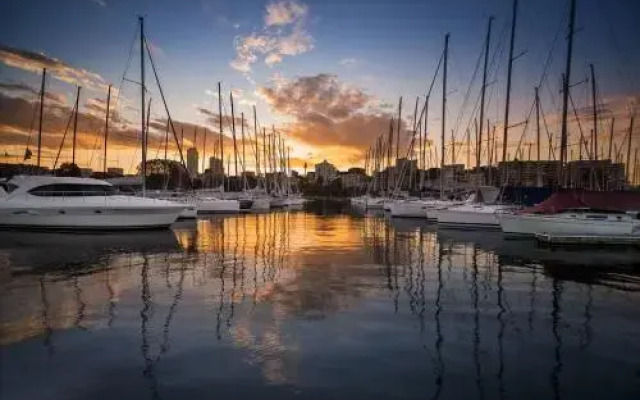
[284, 34]
[338, 121]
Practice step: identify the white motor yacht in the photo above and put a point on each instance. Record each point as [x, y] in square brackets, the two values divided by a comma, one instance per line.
[49, 202]
[571, 222]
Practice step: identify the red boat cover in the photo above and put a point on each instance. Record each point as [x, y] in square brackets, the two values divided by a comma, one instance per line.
[575, 198]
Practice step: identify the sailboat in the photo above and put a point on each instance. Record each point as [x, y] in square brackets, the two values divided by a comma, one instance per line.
[480, 210]
[213, 201]
[578, 212]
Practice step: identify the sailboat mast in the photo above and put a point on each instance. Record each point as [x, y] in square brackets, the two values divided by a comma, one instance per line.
[44, 77]
[565, 89]
[204, 150]
[75, 127]
[143, 90]
[389, 155]
[613, 120]
[628, 165]
[255, 132]
[537, 99]
[398, 129]
[264, 156]
[220, 143]
[244, 160]
[444, 111]
[482, 95]
[233, 133]
[595, 114]
[106, 131]
[509, 70]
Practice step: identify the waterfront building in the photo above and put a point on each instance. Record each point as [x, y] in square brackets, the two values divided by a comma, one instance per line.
[326, 172]
[192, 161]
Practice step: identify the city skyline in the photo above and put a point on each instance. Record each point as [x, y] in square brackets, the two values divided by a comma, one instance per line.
[327, 75]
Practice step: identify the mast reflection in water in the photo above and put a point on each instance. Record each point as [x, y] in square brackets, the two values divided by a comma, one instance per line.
[314, 304]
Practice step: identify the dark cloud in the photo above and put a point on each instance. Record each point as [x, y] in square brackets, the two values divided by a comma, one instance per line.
[18, 115]
[35, 62]
[20, 87]
[213, 119]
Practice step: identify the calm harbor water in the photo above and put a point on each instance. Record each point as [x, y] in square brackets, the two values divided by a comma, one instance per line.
[322, 303]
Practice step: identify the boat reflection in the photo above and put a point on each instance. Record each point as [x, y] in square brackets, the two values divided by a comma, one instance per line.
[277, 290]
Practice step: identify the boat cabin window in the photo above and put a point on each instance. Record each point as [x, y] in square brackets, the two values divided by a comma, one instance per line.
[8, 187]
[72, 189]
[596, 216]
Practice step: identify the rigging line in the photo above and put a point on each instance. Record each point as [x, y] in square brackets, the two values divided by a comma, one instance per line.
[55, 163]
[550, 55]
[33, 118]
[499, 48]
[582, 139]
[166, 108]
[468, 92]
[549, 137]
[117, 97]
[543, 78]
[433, 81]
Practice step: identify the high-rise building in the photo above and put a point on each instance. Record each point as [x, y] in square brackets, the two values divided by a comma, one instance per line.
[216, 167]
[192, 161]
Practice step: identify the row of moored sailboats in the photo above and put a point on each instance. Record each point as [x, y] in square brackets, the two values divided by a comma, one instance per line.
[567, 212]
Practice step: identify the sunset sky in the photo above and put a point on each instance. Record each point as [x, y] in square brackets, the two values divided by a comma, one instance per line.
[326, 73]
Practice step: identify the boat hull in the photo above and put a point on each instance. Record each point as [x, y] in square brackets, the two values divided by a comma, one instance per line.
[88, 218]
[189, 212]
[408, 209]
[261, 204]
[217, 206]
[471, 216]
[375, 203]
[532, 224]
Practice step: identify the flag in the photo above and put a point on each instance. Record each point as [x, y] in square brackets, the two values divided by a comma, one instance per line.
[27, 154]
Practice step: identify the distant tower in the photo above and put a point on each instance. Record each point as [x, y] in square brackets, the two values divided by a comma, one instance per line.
[192, 161]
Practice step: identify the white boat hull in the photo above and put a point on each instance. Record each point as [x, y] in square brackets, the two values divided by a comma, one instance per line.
[532, 224]
[189, 212]
[434, 207]
[471, 216]
[278, 202]
[295, 202]
[217, 206]
[375, 203]
[88, 218]
[68, 203]
[261, 204]
[408, 209]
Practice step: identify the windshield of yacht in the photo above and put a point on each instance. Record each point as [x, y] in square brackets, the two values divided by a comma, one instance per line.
[73, 189]
[8, 187]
